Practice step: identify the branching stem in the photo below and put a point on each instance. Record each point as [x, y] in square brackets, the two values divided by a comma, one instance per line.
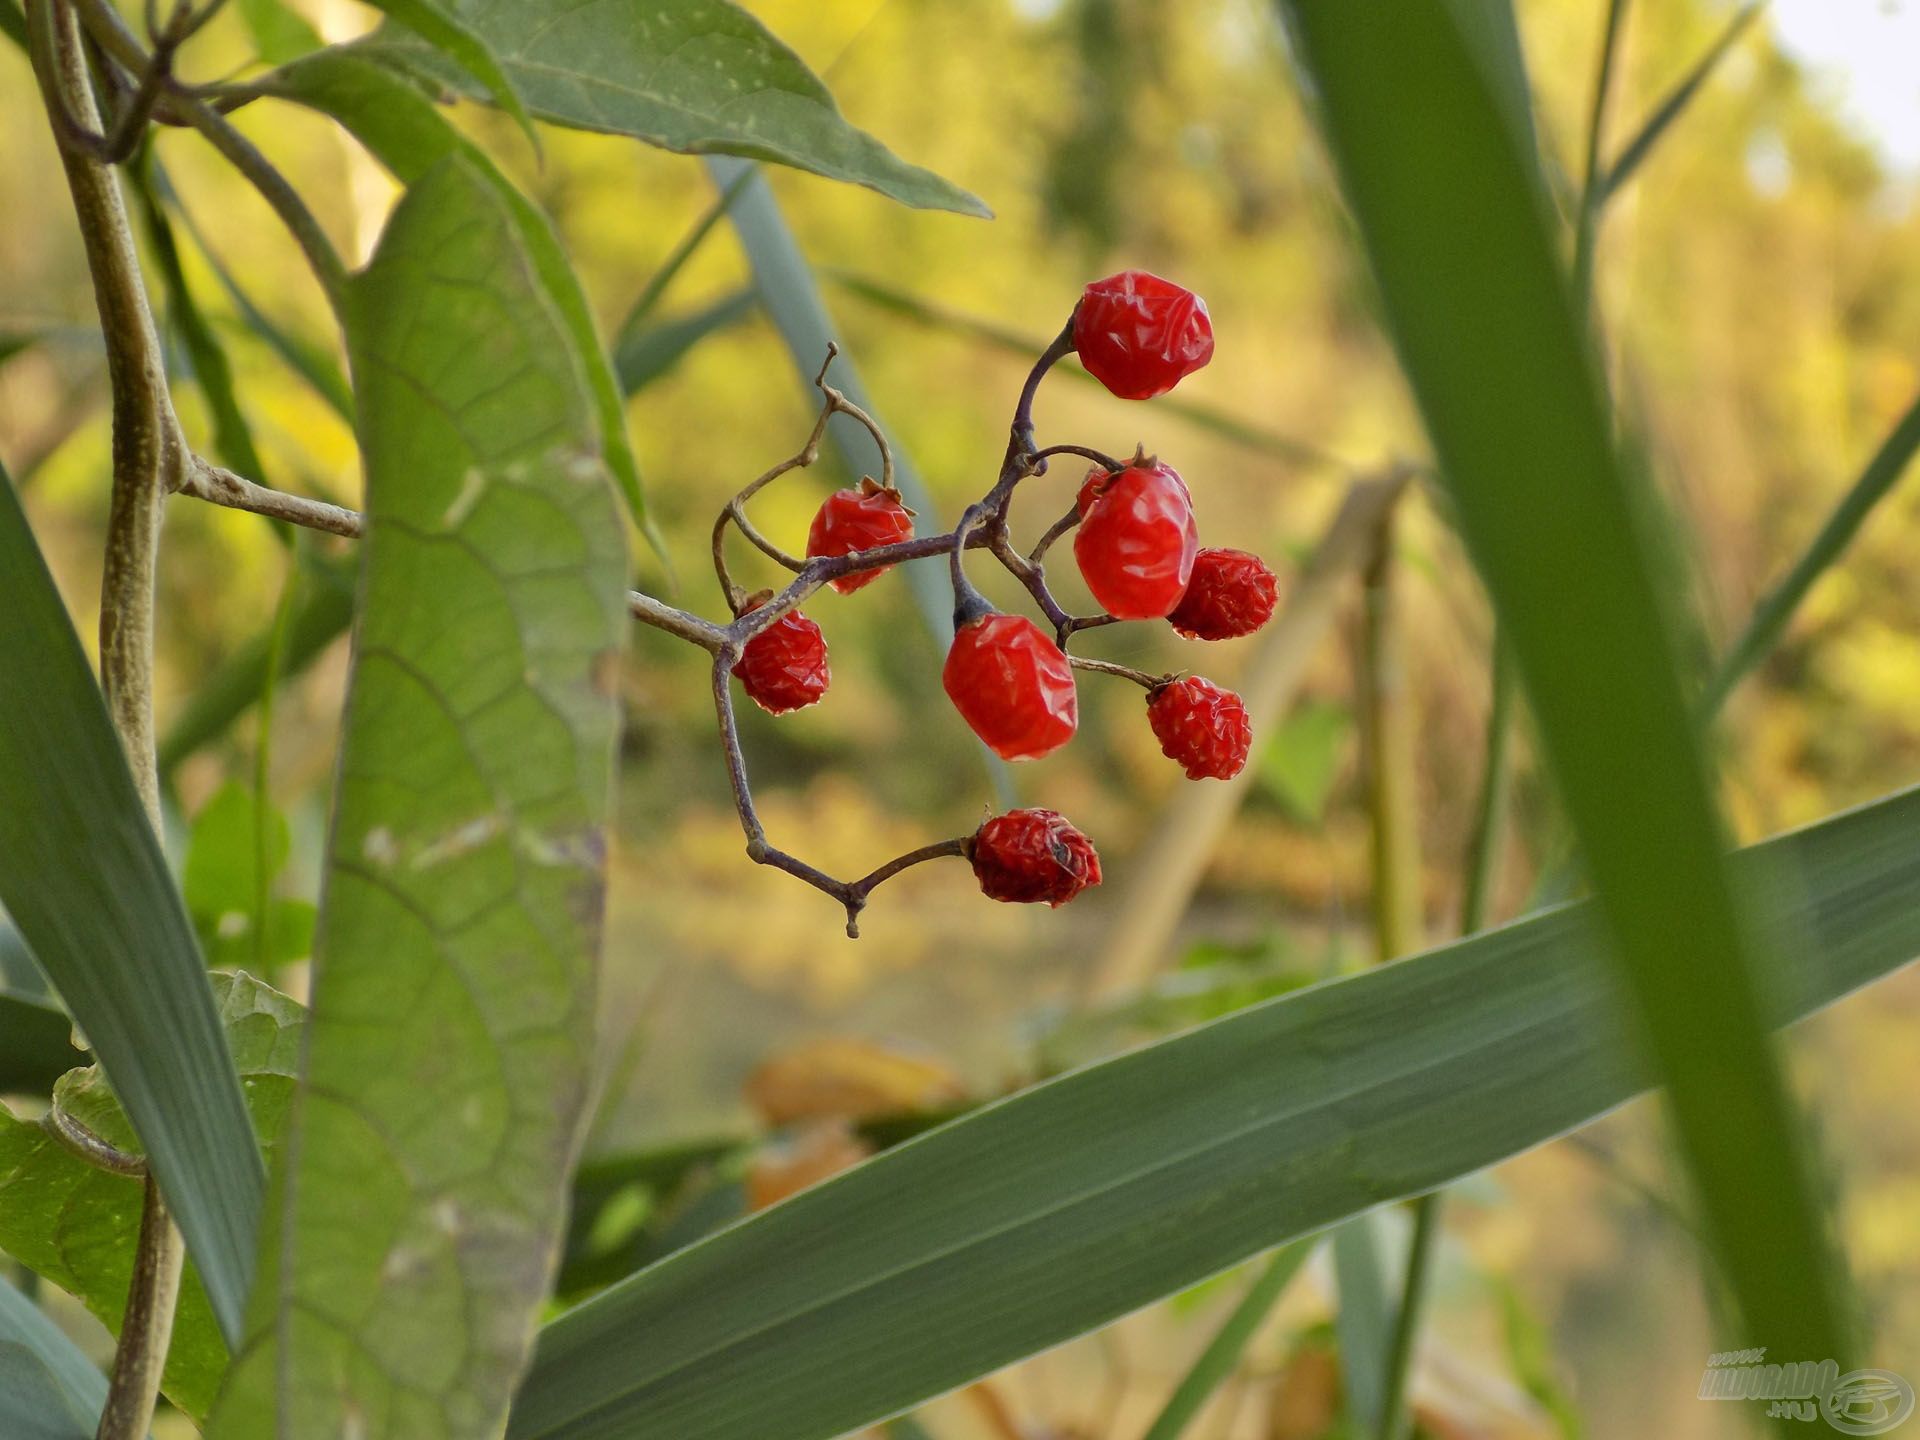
[149, 458]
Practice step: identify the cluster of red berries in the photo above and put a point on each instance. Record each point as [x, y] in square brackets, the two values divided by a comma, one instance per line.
[1137, 547]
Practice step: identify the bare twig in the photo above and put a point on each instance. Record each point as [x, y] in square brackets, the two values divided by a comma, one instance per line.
[81, 1141]
[851, 894]
[205, 481]
[1125, 672]
[1054, 531]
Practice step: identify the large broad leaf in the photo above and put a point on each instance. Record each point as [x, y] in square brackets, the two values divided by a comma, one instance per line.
[76, 1226]
[83, 878]
[699, 76]
[409, 136]
[420, 1204]
[48, 1389]
[1043, 1216]
[1561, 531]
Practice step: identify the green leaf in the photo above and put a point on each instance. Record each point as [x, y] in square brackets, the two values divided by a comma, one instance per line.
[418, 1213]
[308, 359]
[320, 617]
[13, 22]
[221, 883]
[443, 34]
[279, 33]
[702, 77]
[1038, 1218]
[409, 136]
[86, 885]
[1215, 1363]
[77, 1226]
[1636, 150]
[1560, 531]
[1769, 619]
[36, 1037]
[1301, 758]
[648, 353]
[48, 1389]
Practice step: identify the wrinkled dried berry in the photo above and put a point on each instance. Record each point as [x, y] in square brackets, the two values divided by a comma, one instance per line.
[784, 667]
[1027, 856]
[1201, 727]
[861, 518]
[1231, 593]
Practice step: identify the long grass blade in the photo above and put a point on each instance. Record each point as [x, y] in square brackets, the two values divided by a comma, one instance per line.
[1215, 1363]
[1769, 620]
[1044, 1216]
[1500, 365]
[1634, 153]
[84, 880]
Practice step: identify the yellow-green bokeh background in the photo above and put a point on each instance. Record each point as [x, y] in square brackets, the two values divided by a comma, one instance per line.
[1761, 293]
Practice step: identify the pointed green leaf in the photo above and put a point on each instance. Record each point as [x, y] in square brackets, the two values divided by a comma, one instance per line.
[85, 883]
[36, 1037]
[279, 33]
[48, 1389]
[76, 1226]
[467, 54]
[1559, 528]
[699, 76]
[1041, 1217]
[408, 135]
[419, 1209]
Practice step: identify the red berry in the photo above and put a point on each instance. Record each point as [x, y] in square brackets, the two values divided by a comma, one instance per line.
[1013, 686]
[1136, 540]
[784, 667]
[1025, 856]
[1138, 334]
[1231, 594]
[1201, 726]
[859, 519]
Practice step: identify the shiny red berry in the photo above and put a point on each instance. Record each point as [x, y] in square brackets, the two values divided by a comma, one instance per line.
[1027, 856]
[784, 667]
[1136, 540]
[862, 518]
[1231, 594]
[1202, 727]
[1138, 334]
[1013, 685]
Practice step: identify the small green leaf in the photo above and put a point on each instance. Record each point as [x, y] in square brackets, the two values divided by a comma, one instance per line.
[221, 884]
[701, 77]
[1302, 758]
[471, 57]
[279, 33]
[1222, 1354]
[421, 1201]
[409, 136]
[76, 1226]
[48, 1389]
[84, 880]
[652, 351]
[36, 1037]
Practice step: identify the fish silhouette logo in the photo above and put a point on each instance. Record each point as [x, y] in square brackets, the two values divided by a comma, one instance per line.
[1867, 1402]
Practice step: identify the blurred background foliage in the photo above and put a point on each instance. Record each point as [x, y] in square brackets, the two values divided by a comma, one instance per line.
[1759, 290]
